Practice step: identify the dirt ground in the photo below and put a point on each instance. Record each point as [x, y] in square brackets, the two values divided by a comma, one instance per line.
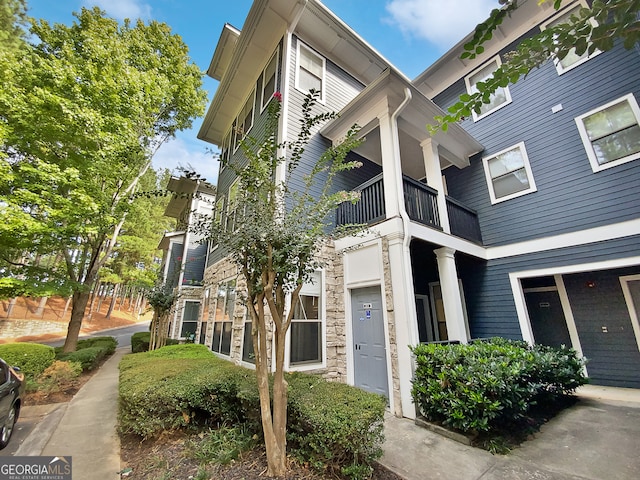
[168, 457]
[54, 311]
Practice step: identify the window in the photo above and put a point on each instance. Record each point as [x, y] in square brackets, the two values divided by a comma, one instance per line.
[306, 327]
[218, 212]
[244, 121]
[310, 71]
[205, 316]
[247, 344]
[611, 133]
[223, 319]
[508, 174]
[189, 319]
[499, 99]
[226, 149]
[269, 80]
[572, 59]
[232, 206]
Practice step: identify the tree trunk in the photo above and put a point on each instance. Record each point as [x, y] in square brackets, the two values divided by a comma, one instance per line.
[12, 303]
[114, 298]
[41, 305]
[80, 301]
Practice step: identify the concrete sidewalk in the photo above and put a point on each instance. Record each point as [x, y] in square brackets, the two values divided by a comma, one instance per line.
[596, 439]
[84, 428]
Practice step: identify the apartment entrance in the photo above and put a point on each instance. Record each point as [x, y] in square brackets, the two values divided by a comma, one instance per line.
[369, 350]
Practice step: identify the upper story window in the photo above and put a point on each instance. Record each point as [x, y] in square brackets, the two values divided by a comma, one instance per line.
[572, 59]
[611, 133]
[500, 97]
[310, 71]
[232, 206]
[269, 80]
[244, 121]
[218, 213]
[509, 174]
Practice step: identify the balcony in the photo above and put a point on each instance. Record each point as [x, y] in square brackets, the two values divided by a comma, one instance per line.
[421, 204]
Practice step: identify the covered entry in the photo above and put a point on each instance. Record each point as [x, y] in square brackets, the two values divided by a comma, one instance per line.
[369, 350]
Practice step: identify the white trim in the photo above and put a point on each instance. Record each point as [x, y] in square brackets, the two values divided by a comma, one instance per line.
[588, 145]
[197, 321]
[470, 90]
[527, 168]
[569, 318]
[573, 239]
[323, 79]
[633, 313]
[559, 68]
[275, 55]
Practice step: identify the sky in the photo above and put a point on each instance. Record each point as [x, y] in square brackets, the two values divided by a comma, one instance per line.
[411, 34]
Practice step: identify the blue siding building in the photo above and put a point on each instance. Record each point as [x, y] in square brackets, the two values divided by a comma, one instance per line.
[522, 221]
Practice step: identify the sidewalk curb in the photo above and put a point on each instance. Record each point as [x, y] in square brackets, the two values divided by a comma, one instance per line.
[41, 434]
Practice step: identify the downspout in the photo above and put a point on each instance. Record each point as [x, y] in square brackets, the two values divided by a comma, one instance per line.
[399, 186]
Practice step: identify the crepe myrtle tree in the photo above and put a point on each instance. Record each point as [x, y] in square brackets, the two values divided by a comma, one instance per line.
[589, 29]
[273, 234]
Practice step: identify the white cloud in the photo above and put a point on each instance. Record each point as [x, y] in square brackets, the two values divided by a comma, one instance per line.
[176, 153]
[121, 9]
[443, 23]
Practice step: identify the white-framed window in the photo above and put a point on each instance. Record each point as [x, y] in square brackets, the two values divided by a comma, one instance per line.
[269, 83]
[508, 174]
[223, 318]
[500, 98]
[244, 121]
[571, 60]
[611, 133]
[247, 342]
[306, 333]
[190, 313]
[310, 71]
[225, 150]
[218, 214]
[232, 206]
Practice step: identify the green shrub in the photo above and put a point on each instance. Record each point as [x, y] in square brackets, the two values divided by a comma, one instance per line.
[482, 386]
[335, 427]
[89, 352]
[140, 342]
[332, 426]
[32, 358]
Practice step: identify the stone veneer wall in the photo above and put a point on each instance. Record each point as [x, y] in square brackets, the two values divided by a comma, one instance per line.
[183, 293]
[335, 348]
[391, 326]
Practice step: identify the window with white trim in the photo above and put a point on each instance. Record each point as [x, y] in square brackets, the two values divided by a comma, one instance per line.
[508, 174]
[269, 80]
[244, 121]
[232, 206]
[247, 343]
[572, 59]
[310, 71]
[306, 343]
[190, 313]
[500, 98]
[223, 318]
[611, 133]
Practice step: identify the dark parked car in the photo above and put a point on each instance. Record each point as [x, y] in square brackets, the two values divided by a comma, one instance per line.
[11, 392]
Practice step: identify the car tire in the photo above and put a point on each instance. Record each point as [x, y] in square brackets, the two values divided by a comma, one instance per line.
[7, 428]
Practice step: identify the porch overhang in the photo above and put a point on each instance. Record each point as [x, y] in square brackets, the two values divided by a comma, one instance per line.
[383, 97]
[184, 187]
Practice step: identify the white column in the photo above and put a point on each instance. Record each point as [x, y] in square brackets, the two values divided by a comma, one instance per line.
[451, 295]
[405, 318]
[434, 179]
[390, 175]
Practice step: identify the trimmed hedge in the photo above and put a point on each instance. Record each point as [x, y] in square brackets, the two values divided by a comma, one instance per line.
[332, 426]
[32, 358]
[482, 386]
[90, 352]
[140, 342]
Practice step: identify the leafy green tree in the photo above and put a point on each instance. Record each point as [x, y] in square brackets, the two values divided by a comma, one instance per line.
[275, 247]
[595, 28]
[13, 19]
[91, 102]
